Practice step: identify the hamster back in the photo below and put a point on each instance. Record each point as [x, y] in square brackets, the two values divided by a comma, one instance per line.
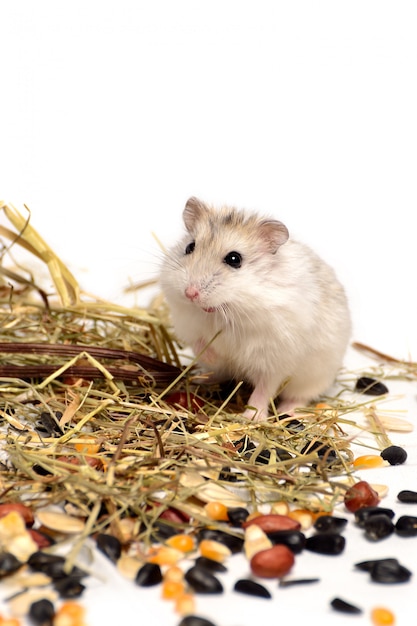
[256, 305]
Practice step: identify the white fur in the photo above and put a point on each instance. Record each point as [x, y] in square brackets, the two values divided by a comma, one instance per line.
[282, 317]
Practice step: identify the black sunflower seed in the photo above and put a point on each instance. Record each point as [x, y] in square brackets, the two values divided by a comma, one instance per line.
[202, 581]
[251, 588]
[210, 564]
[109, 546]
[326, 543]
[53, 565]
[363, 514]
[297, 581]
[323, 451]
[235, 544]
[384, 572]
[330, 524]
[407, 496]
[406, 526]
[69, 587]
[367, 566]
[8, 564]
[195, 620]
[395, 455]
[378, 527]
[295, 540]
[370, 386]
[237, 515]
[345, 607]
[149, 575]
[42, 612]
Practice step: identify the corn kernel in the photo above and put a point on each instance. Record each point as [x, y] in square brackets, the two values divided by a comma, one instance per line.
[70, 614]
[172, 589]
[280, 508]
[255, 541]
[214, 550]
[367, 461]
[174, 573]
[165, 556]
[303, 516]
[185, 604]
[381, 616]
[216, 511]
[182, 542]
[87, 445]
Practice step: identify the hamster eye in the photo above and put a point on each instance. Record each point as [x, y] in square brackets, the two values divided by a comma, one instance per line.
[234, 259]
[190, 248]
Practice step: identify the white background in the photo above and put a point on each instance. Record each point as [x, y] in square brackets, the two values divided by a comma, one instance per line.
[113, 113]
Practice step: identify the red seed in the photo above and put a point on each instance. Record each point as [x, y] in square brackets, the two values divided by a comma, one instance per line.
[274, 562]
[185, 400]
[41, 540]
[359, 495]
[272, 522]
[24, 511]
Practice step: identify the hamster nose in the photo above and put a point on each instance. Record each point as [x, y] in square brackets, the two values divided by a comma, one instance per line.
[191, 293]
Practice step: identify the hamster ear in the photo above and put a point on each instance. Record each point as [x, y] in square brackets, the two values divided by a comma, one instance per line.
[273, 234]
[193, 212]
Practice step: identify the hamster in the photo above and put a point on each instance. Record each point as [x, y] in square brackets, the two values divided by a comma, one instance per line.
[256, 305]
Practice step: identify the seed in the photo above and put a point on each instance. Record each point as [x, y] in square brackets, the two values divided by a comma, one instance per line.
[87, 445]
[149, 575]
[395, 455]
[381, 616]
[195, 620]
[297, 581]
[8, 564]
[217, 511]
[53, 565]
[326, 543]
[303, 516]
[295, 540]
[370, 386]
[359, 495]
[272, 563]
[42, 612]
[41, 539]
[407, 496]
[181, 542]
[70, 613]
[24, 511]
[172, 589]
[185, 604]
[406, 526]
[164, 555]
[365, 513]
[69, 587]
[235, 544]
[214, 550]
[367, 461]
[272, 522]
[280, 508]
[344, 607]
[251, 588]
[330, 524]
[110, 546]
[237, 515]
[323, 451]
[185, 400]
[174, 573]
[210, 564]
[378, 527]
[255, 541]
[202, 581]
[385, 570]
[61, 522]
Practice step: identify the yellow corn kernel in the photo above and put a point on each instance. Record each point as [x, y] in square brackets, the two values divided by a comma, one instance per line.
[174, 573]
[216, 511]
[280, 508]
[182, 542]
[381, 616]
[9, 621]
[70, 614]
[303, 516]
[214, 550]
[166, 556]
[172, 589]
[367, 461]
[87, 445]
[185, 604]
[255, 541]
